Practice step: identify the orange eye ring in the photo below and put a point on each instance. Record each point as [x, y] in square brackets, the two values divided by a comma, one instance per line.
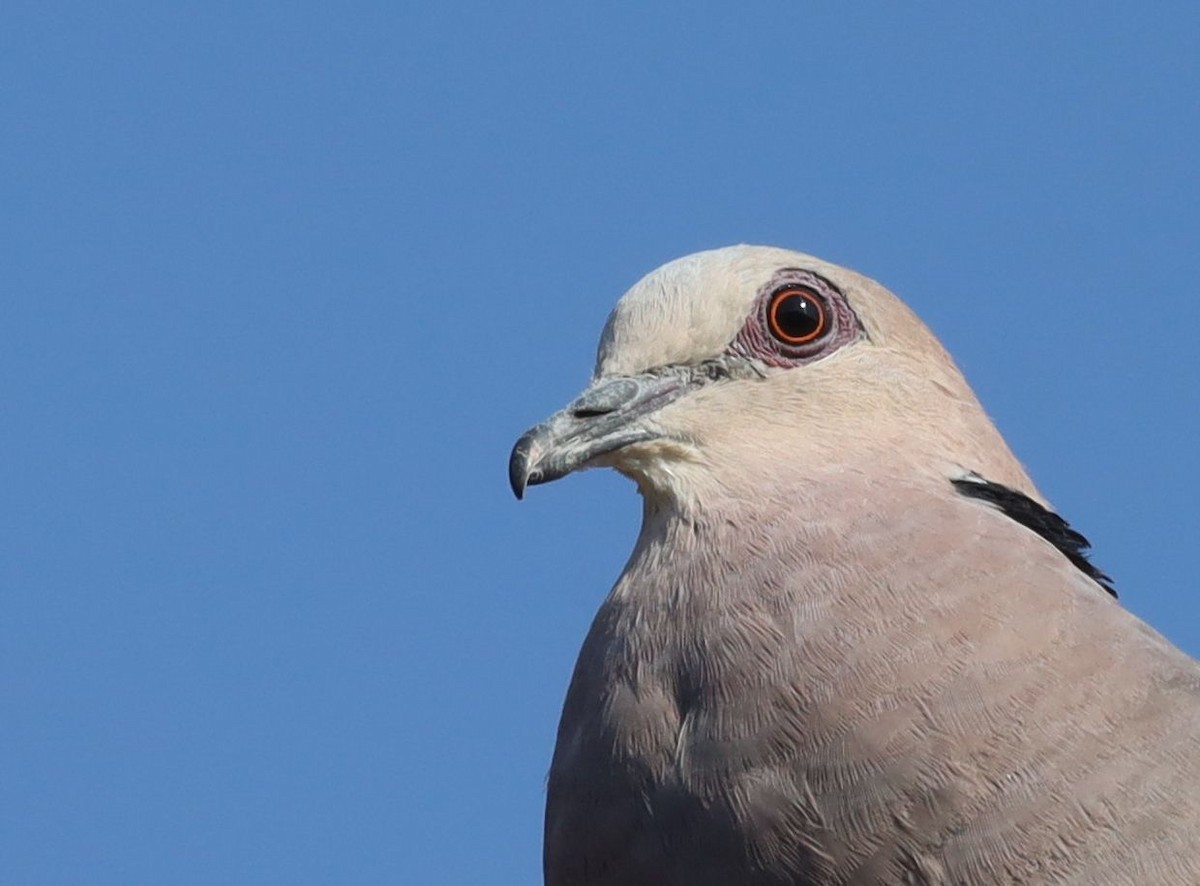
[797, 316]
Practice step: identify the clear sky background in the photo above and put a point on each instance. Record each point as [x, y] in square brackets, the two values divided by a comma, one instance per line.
[280, 284]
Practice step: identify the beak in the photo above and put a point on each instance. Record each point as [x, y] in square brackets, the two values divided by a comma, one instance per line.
[603, 419]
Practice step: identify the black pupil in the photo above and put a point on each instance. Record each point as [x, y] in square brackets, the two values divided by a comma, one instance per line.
[798, 316]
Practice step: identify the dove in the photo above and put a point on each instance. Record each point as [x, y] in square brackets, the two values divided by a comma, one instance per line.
[853, 643]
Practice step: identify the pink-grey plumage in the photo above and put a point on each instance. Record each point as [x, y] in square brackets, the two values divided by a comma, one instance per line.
[852, 644]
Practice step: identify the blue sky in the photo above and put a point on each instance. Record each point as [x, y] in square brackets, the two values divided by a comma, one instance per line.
[282, 283]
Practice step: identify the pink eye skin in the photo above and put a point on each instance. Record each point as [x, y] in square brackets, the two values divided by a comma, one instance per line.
[799, 317]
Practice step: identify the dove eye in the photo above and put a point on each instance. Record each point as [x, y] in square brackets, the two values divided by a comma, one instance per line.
[796, 315]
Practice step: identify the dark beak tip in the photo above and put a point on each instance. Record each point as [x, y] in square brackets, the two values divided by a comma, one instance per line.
[518, 467]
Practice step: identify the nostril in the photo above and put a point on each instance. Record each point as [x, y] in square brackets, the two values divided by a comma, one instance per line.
[588, 411]
[605, 398]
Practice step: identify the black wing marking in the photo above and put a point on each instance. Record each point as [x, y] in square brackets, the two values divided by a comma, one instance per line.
[1047, 524]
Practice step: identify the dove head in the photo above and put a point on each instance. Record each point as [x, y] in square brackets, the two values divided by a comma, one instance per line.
[750, 369]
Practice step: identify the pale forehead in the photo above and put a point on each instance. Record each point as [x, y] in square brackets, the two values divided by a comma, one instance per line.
[690, 309]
